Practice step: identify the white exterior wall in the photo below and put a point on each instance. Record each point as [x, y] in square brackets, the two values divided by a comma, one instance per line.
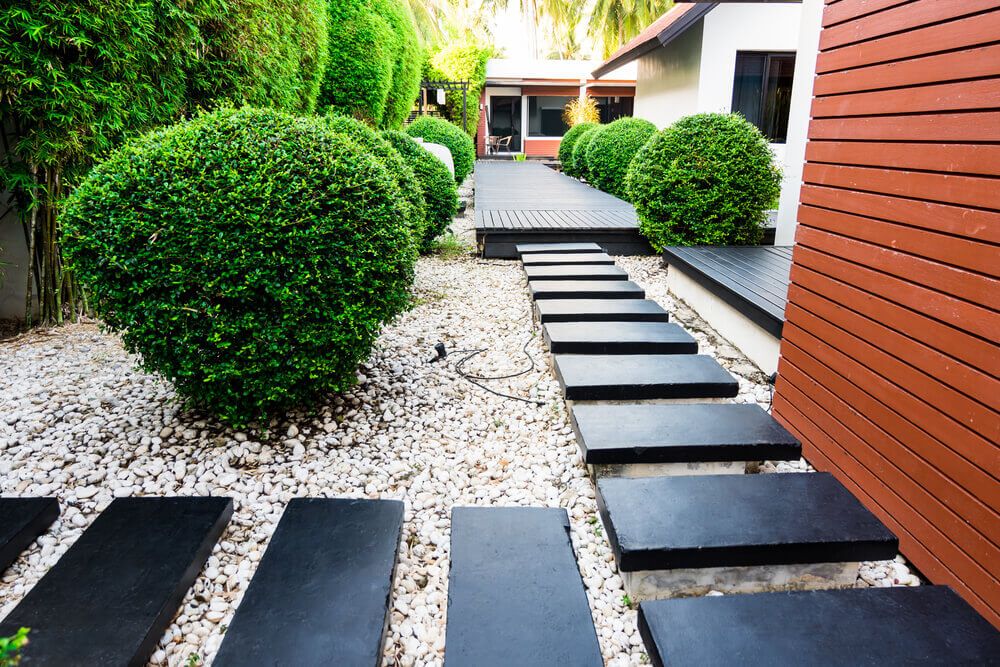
[666, 86]
[798, 120]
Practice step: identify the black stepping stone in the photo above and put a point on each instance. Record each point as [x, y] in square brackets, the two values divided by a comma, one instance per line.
[862, 626]
[683, 433]
[585, 289]
[550, 259]
[515, 596]
[663, 523]
[322, 592]
[108, 600]
[21, 521]
[554, 248]
[599, 310]
[591, 377]
[576, 272]
[618, 338]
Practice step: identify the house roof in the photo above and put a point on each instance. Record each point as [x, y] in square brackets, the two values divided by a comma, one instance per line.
[518, 70]
[660, 32]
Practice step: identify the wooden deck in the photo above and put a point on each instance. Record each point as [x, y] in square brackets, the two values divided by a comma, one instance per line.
[751, 279]
[527, 202]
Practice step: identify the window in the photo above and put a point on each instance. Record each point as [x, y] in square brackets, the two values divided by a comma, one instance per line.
[762, 91]
[545, 116]
[613, 108]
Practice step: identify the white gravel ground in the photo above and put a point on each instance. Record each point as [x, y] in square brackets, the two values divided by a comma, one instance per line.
[77, 421]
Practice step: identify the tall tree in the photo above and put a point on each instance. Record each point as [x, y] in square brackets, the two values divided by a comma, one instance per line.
[614, 22]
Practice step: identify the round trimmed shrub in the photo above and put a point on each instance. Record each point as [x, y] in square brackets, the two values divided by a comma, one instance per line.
[409, 185]
[246, 255]
[580, 152]
[440, 191]
[612, 149]
[569, 142]
[708, 179]
[440, 131]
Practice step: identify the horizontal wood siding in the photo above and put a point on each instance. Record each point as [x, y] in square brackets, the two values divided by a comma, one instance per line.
[890, 360]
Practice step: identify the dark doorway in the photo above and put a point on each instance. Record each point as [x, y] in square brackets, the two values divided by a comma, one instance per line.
[505, 124]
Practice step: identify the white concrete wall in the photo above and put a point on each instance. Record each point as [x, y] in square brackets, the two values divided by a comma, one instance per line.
[798, 120]
[666, 86]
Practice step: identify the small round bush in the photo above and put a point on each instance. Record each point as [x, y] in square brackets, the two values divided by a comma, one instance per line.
[439, 131]
[580, 152]
[612, 149]
[569, 142]
[440, 191]
[409, 185]
[708, 179]
[246, 255]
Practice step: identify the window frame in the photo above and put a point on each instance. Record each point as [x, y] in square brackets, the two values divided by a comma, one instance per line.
[769, 56]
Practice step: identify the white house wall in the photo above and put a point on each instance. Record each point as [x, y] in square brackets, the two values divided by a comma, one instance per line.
[666, 85]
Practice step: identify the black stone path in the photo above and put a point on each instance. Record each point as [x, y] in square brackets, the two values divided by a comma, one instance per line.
[585, 289]
[560, 259]
[599, 310]
[617, 338]
[575, 272]
[21, 521]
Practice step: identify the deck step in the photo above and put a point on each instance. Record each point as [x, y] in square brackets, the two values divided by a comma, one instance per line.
[323, 590]
[635, 377]
[550, 259]
[862, 626]
[21, 521]
[585, 289]
[663, 523]
[600, 310]
[515, 595]
[108, 600]
[575, 272]
[690, 432]
[618, 338]
[554, 248]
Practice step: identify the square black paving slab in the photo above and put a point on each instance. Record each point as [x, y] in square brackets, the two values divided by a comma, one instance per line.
[515, 596]
[663, 523]
[21, 521]
[108, 600]
[925, 625]
[585, 289]
[618, 338]
[556, 248]
[322, 592]
[548, 259]
[635, 377]
[575, 272]
[600, 310]
[683, 433]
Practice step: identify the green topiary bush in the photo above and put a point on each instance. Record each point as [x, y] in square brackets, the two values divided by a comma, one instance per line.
[580, 152]
[462, 61]
[408, 59]
[568, 143]
[247, 255]
[440, 191]
[394, 162]
[439, 131]
[612, 149]
[707, 179]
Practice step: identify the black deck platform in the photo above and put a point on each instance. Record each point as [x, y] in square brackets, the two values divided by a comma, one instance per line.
[599, 310]
[751, 279]
[926, 625]
[637, 377]
[526, 202]
[21, 521]
[617, 338]
[662, 523]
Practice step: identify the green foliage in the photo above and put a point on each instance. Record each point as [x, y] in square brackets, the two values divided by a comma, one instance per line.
[579, 161]
[612, 149]
[247, 255]
[462, 61]
[520, 157]
[268, 53]
[707, 179]
[568, 143]
[10, 647]
[440, 191]
[450, 246]
[410, 187]
[373, 73]
[458, 143]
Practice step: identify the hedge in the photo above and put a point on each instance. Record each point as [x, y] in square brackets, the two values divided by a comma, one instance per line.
[440, 191]
[567, 144]
[580, 152]
[440, 131]
[612, 149]
[247, 255]
[407, 63]
[462, 61]
[707, 179]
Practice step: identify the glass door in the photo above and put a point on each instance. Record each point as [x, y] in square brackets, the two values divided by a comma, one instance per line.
[505, 124]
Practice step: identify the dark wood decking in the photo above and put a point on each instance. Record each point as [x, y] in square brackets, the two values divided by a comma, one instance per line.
[751, 279]
[526, 202]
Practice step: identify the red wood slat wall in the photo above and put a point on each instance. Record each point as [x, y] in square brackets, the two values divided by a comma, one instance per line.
[890, 368]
